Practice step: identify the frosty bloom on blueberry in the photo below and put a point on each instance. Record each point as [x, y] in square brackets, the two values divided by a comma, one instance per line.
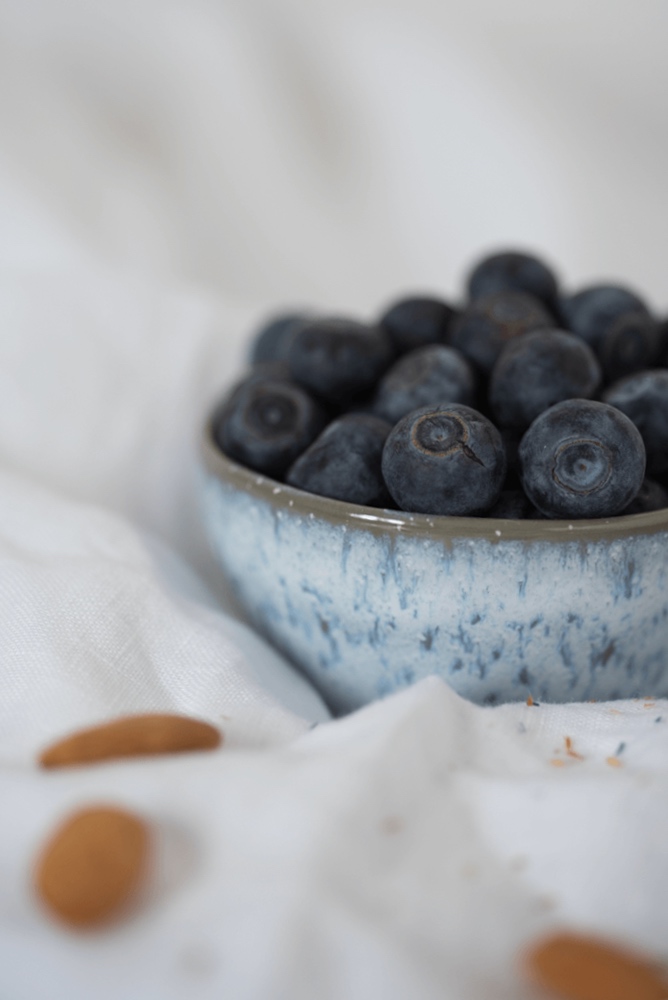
[344, 461]
[268, 424]
[428, 375]
[444, 460]
[581, 458]
[538, 370]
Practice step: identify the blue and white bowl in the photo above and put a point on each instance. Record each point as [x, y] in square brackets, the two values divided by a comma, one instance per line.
[367, 601]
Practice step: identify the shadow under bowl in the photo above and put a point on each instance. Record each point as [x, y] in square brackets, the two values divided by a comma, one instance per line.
[367, 601]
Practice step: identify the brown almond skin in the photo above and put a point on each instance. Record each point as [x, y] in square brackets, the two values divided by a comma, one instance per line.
[132, 736]
[92, 865]
[576, 967]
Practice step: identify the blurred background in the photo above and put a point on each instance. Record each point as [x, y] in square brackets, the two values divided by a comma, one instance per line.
[173, 170]
[336, 153]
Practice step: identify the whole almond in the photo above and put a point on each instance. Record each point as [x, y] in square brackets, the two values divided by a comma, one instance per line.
[92, 865]
[576, 967]
[132, 736]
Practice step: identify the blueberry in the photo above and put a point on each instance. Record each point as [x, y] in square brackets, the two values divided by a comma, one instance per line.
[538, 370]
[444, 460]
[426, 376]
[272, 341]
[513, 272]
[662, 353]
[582, 458]
[486, 326]
[652, 496]
[416, 322]
[512, 505]
[265, 425]
[644, 398]
[339, 359]
[272, 371]
[590, 312]
[631, 343]
[344, 461]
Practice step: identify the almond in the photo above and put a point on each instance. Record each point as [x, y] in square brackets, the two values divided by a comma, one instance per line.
[576, 967]
[92, 865]
[132, 736]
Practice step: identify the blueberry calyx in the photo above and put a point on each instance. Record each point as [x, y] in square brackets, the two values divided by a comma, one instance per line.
[442, 434]
[582, 466]
[266, 424]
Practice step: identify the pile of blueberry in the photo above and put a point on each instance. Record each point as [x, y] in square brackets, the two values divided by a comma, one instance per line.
[522, 403]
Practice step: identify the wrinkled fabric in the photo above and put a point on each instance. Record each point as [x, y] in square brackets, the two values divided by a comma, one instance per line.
[169, 175]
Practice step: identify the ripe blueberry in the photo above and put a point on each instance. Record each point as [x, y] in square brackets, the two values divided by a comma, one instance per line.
[338, 359]
[444, 460]
[487, 325]
[644, 398]
[265, 425]
[512, 505]
[630, 344]
[344, 461]
[652, 496]
[417, 321]
[513, 272]
[590, 312]
[272, 341]
[426, 376]
[582, 458]
[538, 370]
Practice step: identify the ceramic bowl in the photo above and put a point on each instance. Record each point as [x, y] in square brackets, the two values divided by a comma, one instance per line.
[367, 601]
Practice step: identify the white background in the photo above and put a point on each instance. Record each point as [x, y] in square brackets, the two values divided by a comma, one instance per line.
[169, 172]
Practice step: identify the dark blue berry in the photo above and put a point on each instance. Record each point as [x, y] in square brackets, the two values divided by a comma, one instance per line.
[592, 311]
[512, 505]
[662, 352]
[339, 359]
[486, 326]
[652, 496]
[416, 322]
[265, 371]
[538, 370]
[444, 460]
[643, 397]
[424, 377]
[272, 341]
[513, 272]
[582, 458]
[265, 425]
[344, 462]
[511, 438]
[631, 343]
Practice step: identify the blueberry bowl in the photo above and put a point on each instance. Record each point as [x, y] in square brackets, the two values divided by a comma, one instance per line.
[368, 601]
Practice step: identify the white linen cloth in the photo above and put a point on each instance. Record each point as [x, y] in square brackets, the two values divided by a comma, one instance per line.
[168, 173]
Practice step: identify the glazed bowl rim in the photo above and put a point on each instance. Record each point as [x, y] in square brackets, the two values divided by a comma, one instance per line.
[434, 526]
